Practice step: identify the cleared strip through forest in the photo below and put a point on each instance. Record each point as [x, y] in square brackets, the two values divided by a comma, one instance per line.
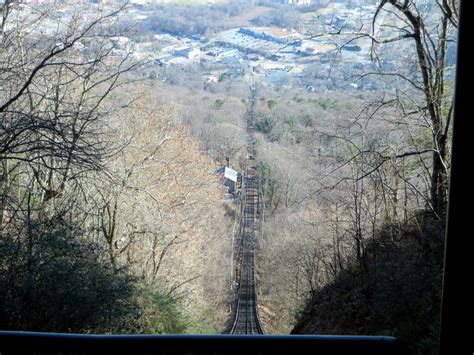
[246, 319]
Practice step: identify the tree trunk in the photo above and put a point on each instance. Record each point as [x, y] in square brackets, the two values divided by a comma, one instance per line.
[439, 180]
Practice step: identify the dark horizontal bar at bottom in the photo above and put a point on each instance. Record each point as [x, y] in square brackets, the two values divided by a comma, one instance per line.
[14, 342]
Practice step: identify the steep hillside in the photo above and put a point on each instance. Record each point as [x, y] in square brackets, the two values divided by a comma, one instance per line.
[396, 290]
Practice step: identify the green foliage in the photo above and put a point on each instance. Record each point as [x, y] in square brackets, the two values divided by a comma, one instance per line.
[199, 322]
[290, 121]
[271, 103]
[294, 130]
[264, 170]
[308, 120]
[448, 93]
[268, 181]
[219, 103]
[265, 124]
[297, 99]
[298, 136]
[61, 283]
[325, 103]
[165, 314]
[424, 139]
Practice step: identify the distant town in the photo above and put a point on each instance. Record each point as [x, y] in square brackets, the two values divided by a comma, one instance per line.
[274, 54]
[290, 52]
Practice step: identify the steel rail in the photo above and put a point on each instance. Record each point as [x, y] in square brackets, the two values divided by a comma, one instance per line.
[246, 316]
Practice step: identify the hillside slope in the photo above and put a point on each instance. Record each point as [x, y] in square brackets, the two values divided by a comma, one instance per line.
[396, 290]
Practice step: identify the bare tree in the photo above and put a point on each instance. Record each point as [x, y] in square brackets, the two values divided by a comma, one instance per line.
[57, 86]
[419, 89]
[56, 97]
[226, 142]
[430, 31]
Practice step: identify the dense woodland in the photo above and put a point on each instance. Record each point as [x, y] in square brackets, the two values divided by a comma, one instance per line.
[193, 20]
[356, 187]
[112, 221]
[111, 217]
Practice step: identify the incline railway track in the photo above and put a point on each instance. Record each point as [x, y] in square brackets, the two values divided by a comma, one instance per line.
[246, 319]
